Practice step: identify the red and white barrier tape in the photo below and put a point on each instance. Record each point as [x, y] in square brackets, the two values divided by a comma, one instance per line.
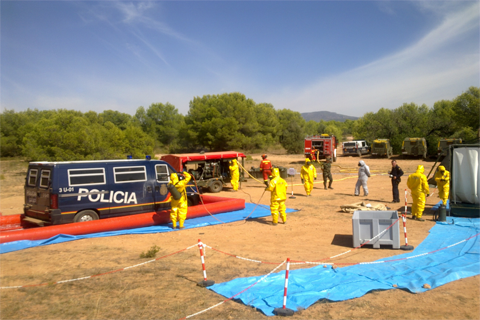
[404, 218]
[246, 259]
[286, 275]
[307, 262]
[98, 275]
[260, 280]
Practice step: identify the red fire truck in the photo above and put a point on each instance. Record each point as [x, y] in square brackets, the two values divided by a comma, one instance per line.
[318, 147]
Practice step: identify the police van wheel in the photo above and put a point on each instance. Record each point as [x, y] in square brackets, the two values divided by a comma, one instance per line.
[216, 186]
[87, 215]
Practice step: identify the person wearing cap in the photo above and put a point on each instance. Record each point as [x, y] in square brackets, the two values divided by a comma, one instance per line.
[327, 174]
[266, 168]
[442, 177]
[308, 174]
[278, 189]
[234, 174]
[417, 183]
[180, 206]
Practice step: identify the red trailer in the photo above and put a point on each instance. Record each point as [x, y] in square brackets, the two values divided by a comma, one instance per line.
[210, 169]
[318, 147]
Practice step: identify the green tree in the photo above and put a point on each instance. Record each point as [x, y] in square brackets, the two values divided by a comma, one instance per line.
[292, 134]
[267, 124]
[311, 127]
[226, 121]
[161, 121]
[138, 143]
[466, 108]
[332, 129]
[14, 126]
[119, 119]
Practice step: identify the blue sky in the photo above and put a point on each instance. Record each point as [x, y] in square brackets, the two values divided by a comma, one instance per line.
[349, 57]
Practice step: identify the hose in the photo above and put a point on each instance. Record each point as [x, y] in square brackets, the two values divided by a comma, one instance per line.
[244, 220]
[249, 173]
[201, 200]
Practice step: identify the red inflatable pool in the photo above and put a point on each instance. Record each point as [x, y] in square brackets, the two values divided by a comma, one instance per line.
[212, 205]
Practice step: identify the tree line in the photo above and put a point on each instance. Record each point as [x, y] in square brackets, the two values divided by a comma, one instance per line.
[216, 123]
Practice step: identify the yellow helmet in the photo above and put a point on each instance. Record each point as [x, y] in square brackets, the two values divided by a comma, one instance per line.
[441, 168]
[307, 160]
[420, 169]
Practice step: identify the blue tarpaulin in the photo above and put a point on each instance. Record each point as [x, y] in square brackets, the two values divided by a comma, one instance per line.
[260, 211]
[425, 265]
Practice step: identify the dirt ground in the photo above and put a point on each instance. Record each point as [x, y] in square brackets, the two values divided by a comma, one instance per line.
[167, 288]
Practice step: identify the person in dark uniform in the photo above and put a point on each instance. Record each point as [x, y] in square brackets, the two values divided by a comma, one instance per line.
[395, 175]
[327, 174]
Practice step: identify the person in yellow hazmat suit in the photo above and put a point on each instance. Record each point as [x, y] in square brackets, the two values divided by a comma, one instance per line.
[417, 183]
[234, 175]
[442, 177]
[278, 188]
[179, 206]
[308, 174]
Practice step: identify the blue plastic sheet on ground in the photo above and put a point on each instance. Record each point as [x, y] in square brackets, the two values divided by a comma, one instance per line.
[260, 211]
[425, 265]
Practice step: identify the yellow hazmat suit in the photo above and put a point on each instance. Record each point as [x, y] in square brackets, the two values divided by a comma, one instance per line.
[179, 207]
[442, 177]
[234, 175]
[417, 183]
[308, 173]
[278, 188]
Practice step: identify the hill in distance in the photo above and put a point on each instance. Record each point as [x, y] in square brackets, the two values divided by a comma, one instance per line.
[326, 116]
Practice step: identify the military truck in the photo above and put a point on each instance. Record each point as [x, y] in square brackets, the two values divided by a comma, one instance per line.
[443, 145]
[415, 147]
[382, 148]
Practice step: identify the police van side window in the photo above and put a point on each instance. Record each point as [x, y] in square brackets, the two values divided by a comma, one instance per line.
[32, 177]
[129, 174]
[83, 177]
[45, 178]
[162, 173]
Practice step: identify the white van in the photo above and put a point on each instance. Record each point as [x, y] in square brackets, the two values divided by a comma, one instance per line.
[357, 147]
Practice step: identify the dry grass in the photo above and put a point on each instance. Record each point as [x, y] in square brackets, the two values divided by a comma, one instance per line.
[13, 173]
[164, 289]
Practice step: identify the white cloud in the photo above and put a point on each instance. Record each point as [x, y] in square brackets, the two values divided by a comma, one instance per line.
[425, 72]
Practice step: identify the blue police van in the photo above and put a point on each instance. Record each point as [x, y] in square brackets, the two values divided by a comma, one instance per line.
[76, 191]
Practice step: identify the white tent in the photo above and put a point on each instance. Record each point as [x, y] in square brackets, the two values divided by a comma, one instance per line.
[465, 178]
